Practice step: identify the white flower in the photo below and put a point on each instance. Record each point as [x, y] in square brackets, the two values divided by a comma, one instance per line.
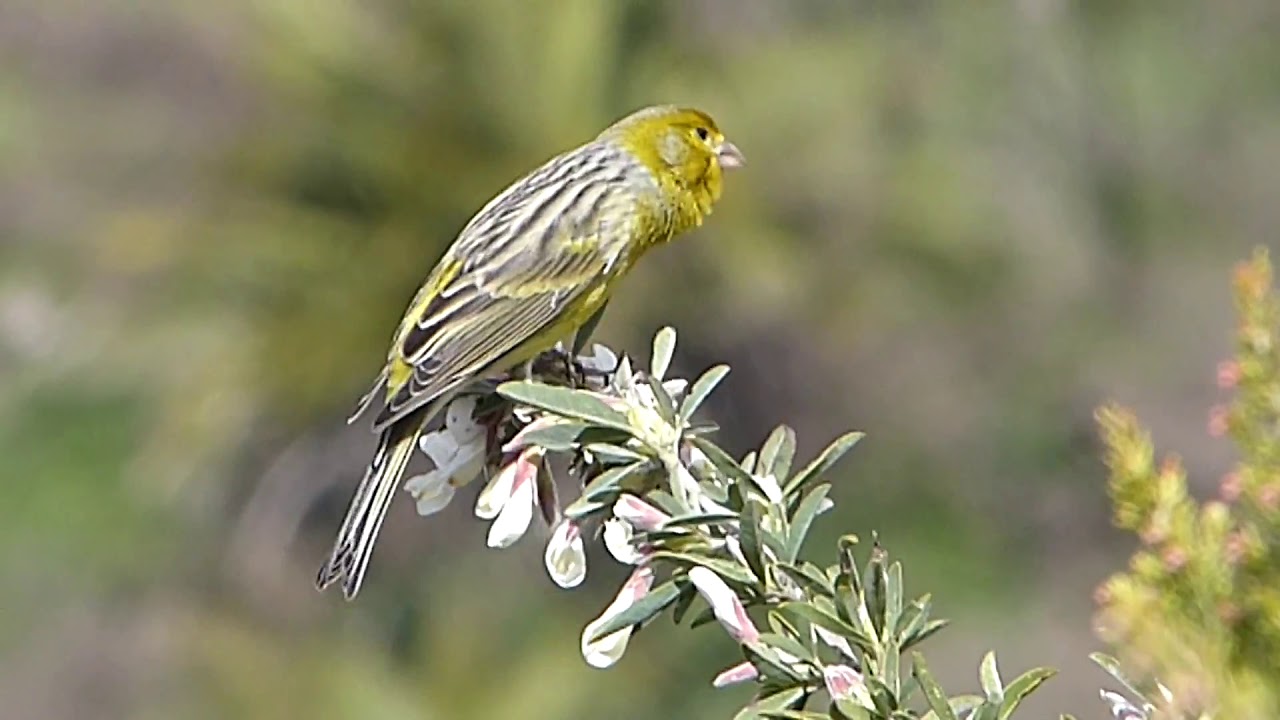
[459, 420]
[608, 650]
[640, 514]
[618, 540]
[674, 388]
[844, 682]
[601, 360]
[740, 673]
[565, 558]
[431, 491]
[725, 604]
[457, 451]
[510, 498]
[825, 505]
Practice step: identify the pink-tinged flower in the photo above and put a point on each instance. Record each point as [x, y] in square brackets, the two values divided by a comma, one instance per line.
[1228, 374]
[566, 558]
[1219, 421]
[740, 673]
[619, 540]
[846, 683]
[1231, 486]
[608, 650]
[510, 499]
[725, 604]
[640, 514]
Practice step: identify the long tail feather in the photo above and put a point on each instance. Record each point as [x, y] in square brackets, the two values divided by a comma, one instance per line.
[354, 545]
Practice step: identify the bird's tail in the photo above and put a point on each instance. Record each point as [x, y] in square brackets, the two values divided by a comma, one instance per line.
[354, 545]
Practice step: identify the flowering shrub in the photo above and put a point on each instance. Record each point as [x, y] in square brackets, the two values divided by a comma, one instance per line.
[709, 537]
[1199, 606]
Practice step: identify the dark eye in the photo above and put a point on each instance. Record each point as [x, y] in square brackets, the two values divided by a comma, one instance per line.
[703, 134]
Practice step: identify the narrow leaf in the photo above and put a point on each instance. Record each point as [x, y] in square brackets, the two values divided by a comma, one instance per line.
[777, 453]
[788, 645]
[827, 621]
[749, 534]
[802, 520]
[1020, 688]
[933, 693]
[893, 600]
[822, 463]
[565, 402]
[727, 465]
[930, 628]
[961, 705]
[813, 582]
[726, 569]
[701, 388]
[559, 437]
[682, 604]
[602, 490]
[666, 406]
[781, 700]
[664, 347]
[645, 608]
[989, 675]
[1112, 667]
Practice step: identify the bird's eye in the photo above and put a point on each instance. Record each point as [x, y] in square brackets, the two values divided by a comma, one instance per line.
[703, 134]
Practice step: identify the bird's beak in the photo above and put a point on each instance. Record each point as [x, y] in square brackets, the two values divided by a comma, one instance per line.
[730, 156]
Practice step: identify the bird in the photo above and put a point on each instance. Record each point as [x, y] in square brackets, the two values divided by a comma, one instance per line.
[534, 265]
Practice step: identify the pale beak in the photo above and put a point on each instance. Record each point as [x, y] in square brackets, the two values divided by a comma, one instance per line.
[730, 156]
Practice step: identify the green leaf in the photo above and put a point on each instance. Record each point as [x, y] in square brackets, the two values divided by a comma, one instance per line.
[884, 699]
[986, 711]
[1020, 688]
[873, 582]
[664, 347]
[727, 465]
[614, 454]
[781, 700]
[559, 437]
[602, 490]
[788, 645]
[748, 463]
[851, 710]
[891, 668]
[930, 628]
[933, 693]
[916, 616]
[827, 621]
[666, 406]
[771, 665]
[778, 452]
[700, 389]
[578, 404]
[989, 675]
[727, 569]
[812, 581]
[822, 463]
[749, 533]
[645, 608]
[961, 705]
[893, 600]
[682, 604]
[802, 520]
[1112, 667]
[794, 715]
[685, 521]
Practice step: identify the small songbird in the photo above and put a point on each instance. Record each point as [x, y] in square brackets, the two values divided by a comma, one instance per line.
[537, 263]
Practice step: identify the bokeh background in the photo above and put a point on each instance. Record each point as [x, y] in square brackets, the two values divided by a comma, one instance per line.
[963, 226]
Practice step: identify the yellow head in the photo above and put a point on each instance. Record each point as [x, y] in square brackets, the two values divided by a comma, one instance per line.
[686, 152]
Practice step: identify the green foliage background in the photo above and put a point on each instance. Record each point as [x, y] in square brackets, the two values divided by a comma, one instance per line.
[963, 225]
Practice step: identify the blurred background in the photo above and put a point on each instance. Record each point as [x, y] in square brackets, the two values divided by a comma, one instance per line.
[962, 227]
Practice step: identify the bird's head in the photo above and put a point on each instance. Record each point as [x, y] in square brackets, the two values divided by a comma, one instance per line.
[684, 149]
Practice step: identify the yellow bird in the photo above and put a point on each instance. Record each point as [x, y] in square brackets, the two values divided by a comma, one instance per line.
[537, 263]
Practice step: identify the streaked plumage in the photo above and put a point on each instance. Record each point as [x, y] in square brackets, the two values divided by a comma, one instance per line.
[535, 264]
